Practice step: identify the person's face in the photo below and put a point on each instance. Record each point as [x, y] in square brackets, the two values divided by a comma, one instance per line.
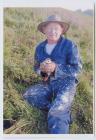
[53, 31]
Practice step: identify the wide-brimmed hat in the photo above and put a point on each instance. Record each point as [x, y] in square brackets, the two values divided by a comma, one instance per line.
[56, 19]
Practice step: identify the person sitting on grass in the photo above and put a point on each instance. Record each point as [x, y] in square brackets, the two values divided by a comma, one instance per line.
[58, 62]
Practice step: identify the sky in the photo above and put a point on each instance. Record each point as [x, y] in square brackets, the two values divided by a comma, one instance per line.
[77, 4]
[67, 4]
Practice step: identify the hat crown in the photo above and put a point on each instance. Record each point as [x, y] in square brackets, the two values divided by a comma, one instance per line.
[53, 18]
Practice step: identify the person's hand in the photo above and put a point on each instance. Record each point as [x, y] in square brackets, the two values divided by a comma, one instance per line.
[47, 66]
[51, 67]
[43, 67]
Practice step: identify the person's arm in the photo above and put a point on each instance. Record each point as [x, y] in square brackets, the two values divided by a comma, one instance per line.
[37, 67]
[73, 66]
[36, 63]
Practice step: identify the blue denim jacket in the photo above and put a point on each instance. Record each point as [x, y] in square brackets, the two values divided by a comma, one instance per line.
[65, 55]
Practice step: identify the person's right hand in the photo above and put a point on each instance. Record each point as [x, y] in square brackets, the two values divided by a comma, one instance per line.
[43, 67]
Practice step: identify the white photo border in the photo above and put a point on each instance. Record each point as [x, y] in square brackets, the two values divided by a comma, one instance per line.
[42, 3]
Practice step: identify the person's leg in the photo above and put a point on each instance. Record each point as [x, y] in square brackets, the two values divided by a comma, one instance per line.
[59, 113]
[38, 96]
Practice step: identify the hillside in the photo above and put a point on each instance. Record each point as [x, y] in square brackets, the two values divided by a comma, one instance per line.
[87, 12]
[20, 39]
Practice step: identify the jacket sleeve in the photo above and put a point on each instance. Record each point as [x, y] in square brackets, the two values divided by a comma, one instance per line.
[36, 63]
[73, 65]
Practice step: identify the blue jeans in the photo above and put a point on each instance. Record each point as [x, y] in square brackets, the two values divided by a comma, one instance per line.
[56, 97]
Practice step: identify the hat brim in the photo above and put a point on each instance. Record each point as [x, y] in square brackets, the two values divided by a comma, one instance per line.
[65, 26]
